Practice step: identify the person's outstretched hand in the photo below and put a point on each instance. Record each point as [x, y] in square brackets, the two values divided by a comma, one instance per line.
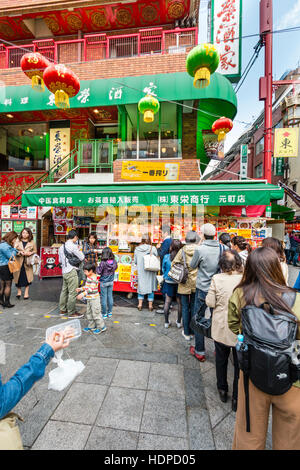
[57, 341]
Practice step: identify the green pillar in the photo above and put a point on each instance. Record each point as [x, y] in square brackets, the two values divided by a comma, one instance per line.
[122, 122]
[179, 128]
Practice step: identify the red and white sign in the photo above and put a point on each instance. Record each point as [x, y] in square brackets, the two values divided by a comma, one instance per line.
[226, 34]
[50, 266]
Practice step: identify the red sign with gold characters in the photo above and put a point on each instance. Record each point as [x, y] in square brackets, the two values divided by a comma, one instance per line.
[226, 36]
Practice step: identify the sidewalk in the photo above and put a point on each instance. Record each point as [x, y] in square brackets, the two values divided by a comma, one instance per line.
[140, 388]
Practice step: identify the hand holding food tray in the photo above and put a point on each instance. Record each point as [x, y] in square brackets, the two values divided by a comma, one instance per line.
[70, 329]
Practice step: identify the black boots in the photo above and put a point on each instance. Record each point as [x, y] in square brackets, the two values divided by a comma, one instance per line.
[6, 303]
[223, 395]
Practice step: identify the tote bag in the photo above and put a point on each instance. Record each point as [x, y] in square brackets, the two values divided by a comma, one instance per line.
[13, 265]
[151, 262]
[10, 438]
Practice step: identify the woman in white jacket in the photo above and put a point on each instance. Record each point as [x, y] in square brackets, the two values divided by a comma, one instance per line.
[221, 288]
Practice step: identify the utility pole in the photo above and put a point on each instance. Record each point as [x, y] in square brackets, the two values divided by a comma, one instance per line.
[266, 82]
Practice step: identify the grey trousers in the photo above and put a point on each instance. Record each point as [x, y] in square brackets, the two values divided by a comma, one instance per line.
[68, 294]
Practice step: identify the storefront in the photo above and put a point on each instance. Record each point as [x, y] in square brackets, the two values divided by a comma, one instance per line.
[121, 213]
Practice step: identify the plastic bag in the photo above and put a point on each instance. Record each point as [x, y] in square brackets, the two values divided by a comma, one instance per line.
[65, 373]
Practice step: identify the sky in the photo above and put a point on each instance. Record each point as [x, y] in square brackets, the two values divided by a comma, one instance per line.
[286, 55]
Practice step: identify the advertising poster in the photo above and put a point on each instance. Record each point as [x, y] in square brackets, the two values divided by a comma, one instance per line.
[5, 212]
[286, 142]
[213, 148]
[19, 225]
[50, 266]
[150, 171]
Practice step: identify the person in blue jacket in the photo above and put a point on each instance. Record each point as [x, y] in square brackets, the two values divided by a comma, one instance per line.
[7, 250]
[297, 283]
[169, 288]
[19, 384]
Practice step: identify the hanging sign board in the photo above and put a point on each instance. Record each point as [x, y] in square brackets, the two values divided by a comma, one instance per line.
[59, 148]
[286, 142]
[226, 32]
[244, 162]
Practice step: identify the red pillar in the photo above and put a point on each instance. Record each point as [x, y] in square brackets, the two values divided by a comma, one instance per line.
[266, 84]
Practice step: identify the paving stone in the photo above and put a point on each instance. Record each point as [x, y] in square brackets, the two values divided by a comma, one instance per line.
[164, 415]
[62, 436]
[194, 391]
[199, 426]
[158, 442]
[111, 439]
[223, 432]
[167, 378]
[122, 409]
[98, 370]
[81, 404]
[132, 374]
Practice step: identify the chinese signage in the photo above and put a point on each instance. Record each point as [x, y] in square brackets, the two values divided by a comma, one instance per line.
[286, 142]
[244, 162]
[226, 36]
[59, 148]
[50, 266]
[150, 171]
[213, 148]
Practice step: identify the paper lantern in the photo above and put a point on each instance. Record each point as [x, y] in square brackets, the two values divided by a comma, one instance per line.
[33, 65]
[201, 62]
[148, 106]
[63, 82]
[221, 127]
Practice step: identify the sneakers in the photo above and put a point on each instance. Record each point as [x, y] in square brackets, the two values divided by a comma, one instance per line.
[97, 331]
[167, 325]
[159, 311]
[87, 330]
[200, 357]
[109, 314]
[76, 315]
[104, 316]
[178, 324]
[187, 337]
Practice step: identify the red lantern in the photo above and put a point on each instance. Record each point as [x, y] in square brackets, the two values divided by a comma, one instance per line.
[221, 127]
[63, 83]
[33, 65]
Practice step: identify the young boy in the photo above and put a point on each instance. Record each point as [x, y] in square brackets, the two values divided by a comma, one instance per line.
[90, 291]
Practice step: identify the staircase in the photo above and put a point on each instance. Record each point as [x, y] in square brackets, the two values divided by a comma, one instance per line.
[89, 162]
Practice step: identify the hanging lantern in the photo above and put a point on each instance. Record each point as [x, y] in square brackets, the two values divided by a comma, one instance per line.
[221, 127]
[33, 65]
[201, 62]
[148, 106]
[63, 83]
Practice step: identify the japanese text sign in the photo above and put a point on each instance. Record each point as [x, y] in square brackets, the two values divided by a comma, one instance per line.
[286, 142]
[150, 171]
[226, 36]
[59, 148]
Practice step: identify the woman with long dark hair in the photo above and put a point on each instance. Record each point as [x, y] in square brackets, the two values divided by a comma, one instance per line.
[26, 248]
[170, 287]
[7, 250]
[263, 281]
[276, 245]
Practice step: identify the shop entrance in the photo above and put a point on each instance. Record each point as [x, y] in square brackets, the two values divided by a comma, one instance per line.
[96, 155]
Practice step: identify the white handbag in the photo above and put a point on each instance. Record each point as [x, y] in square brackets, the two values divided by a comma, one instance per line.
[151, 262]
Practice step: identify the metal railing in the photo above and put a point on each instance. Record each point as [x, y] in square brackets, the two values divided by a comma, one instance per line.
[102, 46]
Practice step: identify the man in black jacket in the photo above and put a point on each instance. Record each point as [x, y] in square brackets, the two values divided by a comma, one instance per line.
[163, 249]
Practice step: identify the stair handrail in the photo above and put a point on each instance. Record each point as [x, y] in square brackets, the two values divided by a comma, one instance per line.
[48, 173]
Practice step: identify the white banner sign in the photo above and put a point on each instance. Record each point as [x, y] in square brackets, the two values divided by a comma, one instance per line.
[226, 36]
[59, 148]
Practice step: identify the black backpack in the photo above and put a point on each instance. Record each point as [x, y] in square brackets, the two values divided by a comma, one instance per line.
[269, 339]
[72, 259]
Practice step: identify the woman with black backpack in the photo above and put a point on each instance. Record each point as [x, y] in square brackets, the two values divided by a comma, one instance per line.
[260, 301]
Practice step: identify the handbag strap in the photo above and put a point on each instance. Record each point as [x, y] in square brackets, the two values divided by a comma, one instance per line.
[183, 257]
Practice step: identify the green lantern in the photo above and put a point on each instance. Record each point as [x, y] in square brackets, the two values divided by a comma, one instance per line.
[201, 62]
[148, 106]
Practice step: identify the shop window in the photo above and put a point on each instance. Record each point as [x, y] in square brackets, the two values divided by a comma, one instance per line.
[259, 171]
[25, 146]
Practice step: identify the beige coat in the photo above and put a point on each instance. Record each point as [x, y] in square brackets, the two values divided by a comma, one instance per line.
[31, 246]
[190, 285]
[219, 293]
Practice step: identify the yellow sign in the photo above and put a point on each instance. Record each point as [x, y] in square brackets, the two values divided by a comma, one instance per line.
[286, 142]
[124, 272]
[59, 148]
[150, 171]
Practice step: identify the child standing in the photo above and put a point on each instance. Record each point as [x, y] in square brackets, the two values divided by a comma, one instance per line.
[106, 271]
[91, 293]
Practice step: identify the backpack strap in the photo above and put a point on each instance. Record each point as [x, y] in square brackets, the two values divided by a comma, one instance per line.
[246, 390]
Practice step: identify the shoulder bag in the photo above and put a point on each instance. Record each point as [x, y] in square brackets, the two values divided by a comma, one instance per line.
[13, 265]
[151, 262]
[179, 272]
[10, 437]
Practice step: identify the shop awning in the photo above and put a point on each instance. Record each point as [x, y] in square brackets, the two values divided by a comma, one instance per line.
[282, 212]
[232, 193]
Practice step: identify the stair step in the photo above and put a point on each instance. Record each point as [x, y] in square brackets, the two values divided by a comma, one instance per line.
[89, 178]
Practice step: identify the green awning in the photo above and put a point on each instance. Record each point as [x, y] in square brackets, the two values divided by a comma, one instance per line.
[282, 212]
[250, 193]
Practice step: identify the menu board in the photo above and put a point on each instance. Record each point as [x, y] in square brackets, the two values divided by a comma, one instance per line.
[50, 265]
[62, 213]
[18, 212]
[18, 225]
[62, 227]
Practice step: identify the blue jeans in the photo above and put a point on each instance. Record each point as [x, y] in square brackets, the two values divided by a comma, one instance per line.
[293, 256]
[106, 296]
[187, 303]
[199, 309]
[297, 283]
[150, 297]
[18, 385]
